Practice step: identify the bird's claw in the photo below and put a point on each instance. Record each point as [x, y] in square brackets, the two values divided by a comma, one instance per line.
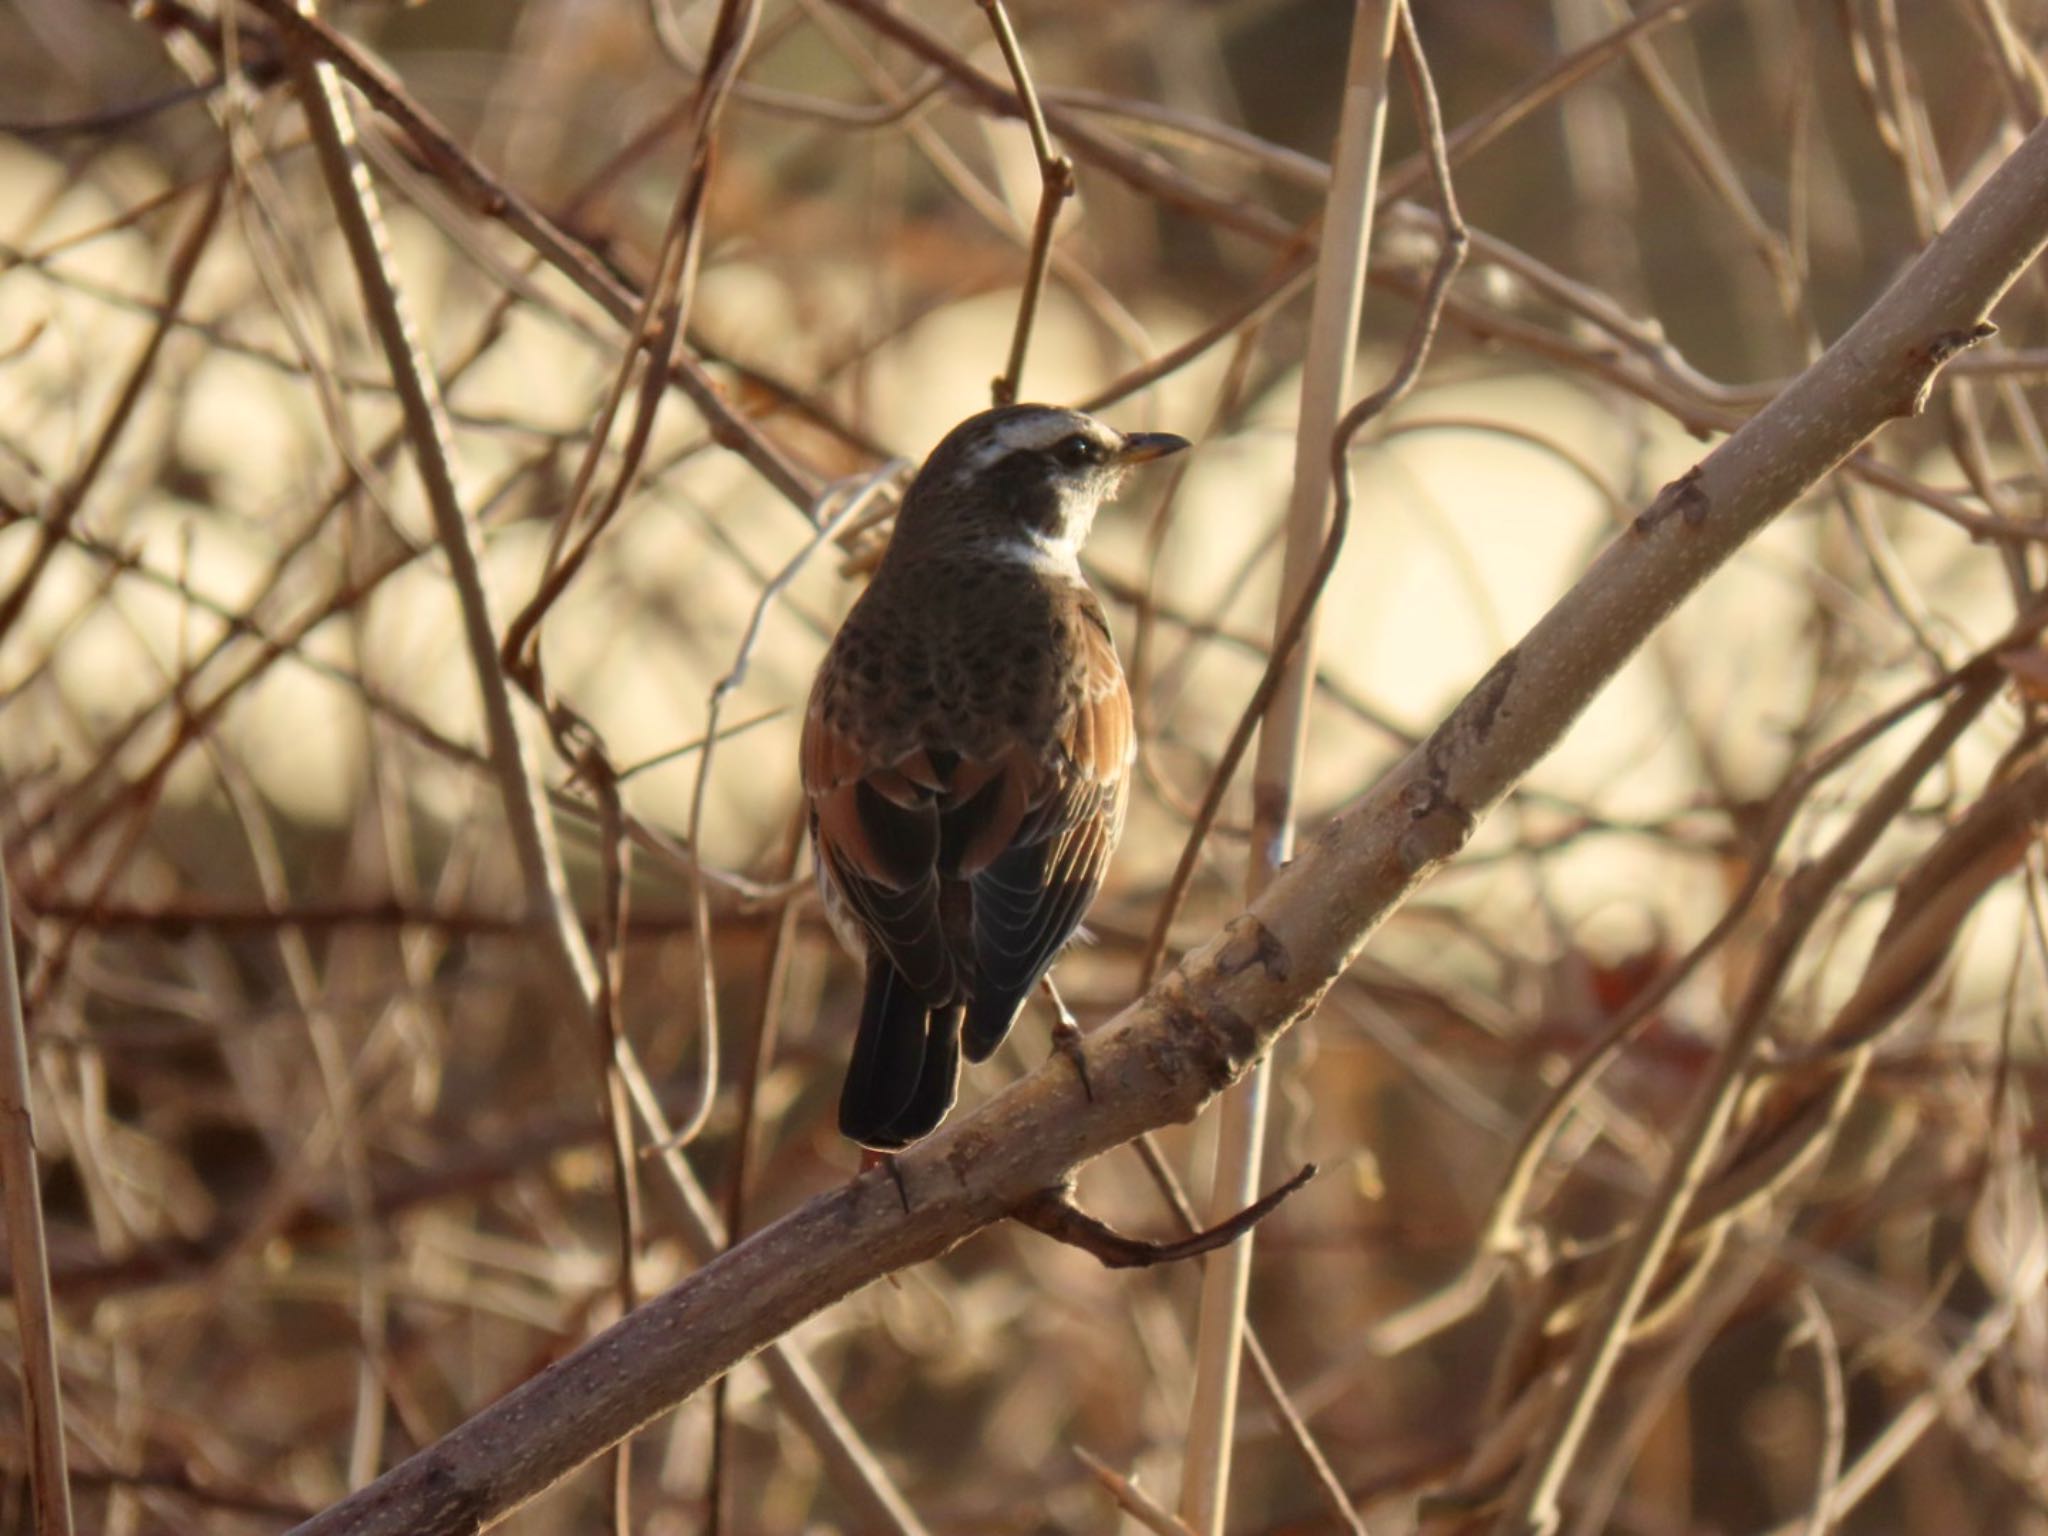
[870, 1159]
[1068, 1041]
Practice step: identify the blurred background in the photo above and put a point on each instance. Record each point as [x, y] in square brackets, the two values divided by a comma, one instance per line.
[327, 1168]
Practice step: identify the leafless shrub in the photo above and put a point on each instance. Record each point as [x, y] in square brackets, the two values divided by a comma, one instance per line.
[434, 445]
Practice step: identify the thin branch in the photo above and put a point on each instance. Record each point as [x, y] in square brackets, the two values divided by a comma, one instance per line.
[859, 496]
[28, 1254]
[1132, 1499]
[1054, 1213]
[614, 914]
[1056, 185]
[1834, 1416]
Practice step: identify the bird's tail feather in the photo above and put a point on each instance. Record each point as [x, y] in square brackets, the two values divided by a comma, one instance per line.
[905, 1067]
[938, 1082]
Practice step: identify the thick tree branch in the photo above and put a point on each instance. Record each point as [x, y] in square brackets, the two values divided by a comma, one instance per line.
[1202, 1026]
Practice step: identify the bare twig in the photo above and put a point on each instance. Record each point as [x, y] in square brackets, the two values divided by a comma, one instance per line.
[1132, 1499]
[1827, 1353]
[857, 499]
[1053, 1212]
[1056, 178]
[71, 499]
[616, 853]
[28, 1254]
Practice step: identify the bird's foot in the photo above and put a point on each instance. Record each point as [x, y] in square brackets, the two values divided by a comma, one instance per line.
[1067, 1038]
[870, 1160]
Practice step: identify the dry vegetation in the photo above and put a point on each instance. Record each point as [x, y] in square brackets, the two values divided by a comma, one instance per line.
[356, 995]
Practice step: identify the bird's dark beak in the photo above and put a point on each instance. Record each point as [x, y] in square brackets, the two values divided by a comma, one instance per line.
[1142, 446]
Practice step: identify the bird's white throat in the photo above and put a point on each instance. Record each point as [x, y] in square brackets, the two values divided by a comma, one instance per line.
[1057, 554]
[1043, 553]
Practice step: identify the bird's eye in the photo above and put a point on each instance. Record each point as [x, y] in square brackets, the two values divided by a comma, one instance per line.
[1078, 450]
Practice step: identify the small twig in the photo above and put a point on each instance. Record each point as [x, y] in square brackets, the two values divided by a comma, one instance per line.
[1289, 275]
[829, 526]
[108, 119]
[1827, 1354]
[184, 263]
[754, 1066]
[1263, 1369]
[1056, 185]
[657, 326]
[1455, 241]
[616, 852]
[1132, 1499]
[28, 1255]
[1053, 1212]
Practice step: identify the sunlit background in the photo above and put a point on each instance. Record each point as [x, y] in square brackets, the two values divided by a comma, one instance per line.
[326, 1167]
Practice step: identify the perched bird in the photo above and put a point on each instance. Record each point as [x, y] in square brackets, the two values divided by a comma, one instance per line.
[967, 753]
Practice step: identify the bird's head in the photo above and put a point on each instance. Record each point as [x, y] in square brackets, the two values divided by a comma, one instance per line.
[1023, 480]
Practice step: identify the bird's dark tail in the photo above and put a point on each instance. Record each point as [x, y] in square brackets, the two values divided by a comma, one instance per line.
[906, 1064]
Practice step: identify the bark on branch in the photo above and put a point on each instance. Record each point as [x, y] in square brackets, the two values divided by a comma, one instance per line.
[1203, 1025]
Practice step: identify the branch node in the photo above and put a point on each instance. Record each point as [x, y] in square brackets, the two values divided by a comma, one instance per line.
[1053, 1212]
[1936, 355]
[1683, 497]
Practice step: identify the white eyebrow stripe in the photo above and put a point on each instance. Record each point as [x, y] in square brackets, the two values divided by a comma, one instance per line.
[1040, 430]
